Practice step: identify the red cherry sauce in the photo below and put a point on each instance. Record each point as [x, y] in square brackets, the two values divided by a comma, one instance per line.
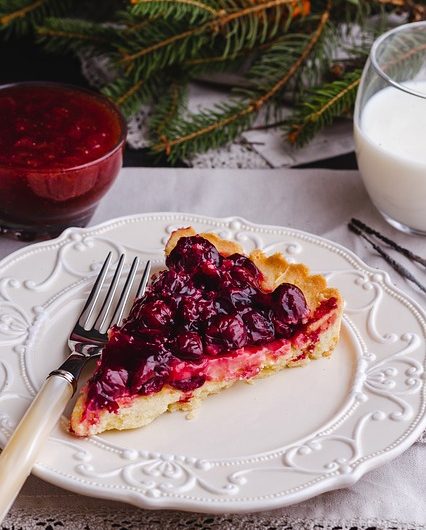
[60, 150]
[205, 318]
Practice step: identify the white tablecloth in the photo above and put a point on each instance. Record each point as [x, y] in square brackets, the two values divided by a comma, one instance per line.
[319, 201]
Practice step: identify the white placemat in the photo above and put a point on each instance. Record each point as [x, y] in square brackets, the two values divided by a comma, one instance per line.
[321, 202]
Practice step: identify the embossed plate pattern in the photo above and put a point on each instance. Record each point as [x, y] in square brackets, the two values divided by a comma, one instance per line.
[276, 442]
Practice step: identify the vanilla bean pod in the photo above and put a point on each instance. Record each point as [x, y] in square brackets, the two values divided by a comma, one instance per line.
[407, 253]
[400, 269]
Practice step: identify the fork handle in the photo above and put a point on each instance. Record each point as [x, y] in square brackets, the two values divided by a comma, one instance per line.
[20, 454]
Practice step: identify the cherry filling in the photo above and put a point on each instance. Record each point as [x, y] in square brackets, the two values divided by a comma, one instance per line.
[49, 126]
[200, 310]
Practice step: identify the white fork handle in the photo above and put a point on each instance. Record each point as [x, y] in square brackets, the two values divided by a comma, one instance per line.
[20, 454]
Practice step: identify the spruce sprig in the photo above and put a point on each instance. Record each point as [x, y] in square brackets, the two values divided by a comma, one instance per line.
[168, 41]
[321, 106]
[167, 109]
[62, 35]
[206, 129]
[21, 16]
[129, 93]
[161, 45]
[212, 128]
[192, 10]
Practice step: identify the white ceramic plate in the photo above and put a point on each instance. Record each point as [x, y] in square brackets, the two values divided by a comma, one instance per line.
[279, 441]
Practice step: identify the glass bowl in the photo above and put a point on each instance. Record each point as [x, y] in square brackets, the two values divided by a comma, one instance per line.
[61, 148]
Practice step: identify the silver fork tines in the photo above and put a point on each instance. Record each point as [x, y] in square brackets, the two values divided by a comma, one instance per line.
[106, 306]
[87, 343]
[121, 304]
[90, 304]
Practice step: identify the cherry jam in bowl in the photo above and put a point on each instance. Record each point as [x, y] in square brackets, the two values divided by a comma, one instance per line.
[61, 148]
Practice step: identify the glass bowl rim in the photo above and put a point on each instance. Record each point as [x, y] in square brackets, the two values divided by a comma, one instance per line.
[379, 41]
[104, 99]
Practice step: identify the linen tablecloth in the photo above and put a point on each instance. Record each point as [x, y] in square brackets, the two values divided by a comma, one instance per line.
[319, 201]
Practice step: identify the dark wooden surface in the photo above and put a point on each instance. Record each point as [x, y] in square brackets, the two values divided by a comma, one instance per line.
[23, 60]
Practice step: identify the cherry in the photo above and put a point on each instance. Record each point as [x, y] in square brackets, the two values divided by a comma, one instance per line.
[193, 312]
[140, 342]
[208, 275]
[152, 386]
[188, 346]
[114, 379]
[170, 284]
[108, 385]
[244, 269]
[260, 328]
[192, 252]
[239, 295]
[282, 329]
[60, 113]
[289, 304]
[151, 374]
[225, 332]
[155, 315]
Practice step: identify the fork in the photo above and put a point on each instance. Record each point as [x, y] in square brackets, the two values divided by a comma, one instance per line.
[20, 453]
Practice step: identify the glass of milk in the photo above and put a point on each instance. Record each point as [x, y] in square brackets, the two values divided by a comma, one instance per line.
[390, 127]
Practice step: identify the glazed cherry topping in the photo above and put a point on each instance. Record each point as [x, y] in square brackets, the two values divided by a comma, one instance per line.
[205, 306]
[188, 346]
[108, 385]
[190, 253]
[156, 314]
[244, 269]
[259, 327]
[193, 313]
[225, 333]
[289, 304]
[151, 374]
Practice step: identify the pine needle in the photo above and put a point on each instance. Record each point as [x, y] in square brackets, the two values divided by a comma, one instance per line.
[214, 127]
[20, 16]
[64, 35]
[320, 107]
[166, 109]
[241, 27]
[130, 93]
[192, 10]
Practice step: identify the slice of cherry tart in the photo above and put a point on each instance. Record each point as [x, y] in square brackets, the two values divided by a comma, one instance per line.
[214, 317]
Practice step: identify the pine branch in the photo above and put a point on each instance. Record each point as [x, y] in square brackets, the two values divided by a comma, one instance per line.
[321, 107]
[129, 93]
[207, 64]
[166, 110]
[20, 16]
[215, 127]
[161, 45]
[192, 10]
[205, 130]
[61, 35]
[267, 70]
[216, 62]
[239, 27]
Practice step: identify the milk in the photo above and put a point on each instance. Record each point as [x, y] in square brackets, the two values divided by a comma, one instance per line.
[391, 151]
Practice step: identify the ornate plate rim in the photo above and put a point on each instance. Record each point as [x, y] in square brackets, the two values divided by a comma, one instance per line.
[277, 501]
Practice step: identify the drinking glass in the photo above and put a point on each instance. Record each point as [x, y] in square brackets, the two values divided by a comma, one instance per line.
[390, 127]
